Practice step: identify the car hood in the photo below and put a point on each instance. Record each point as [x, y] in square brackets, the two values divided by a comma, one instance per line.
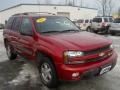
[79, 41]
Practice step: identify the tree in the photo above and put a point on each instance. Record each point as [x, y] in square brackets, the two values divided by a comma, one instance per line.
[106, 7]
[119, 12]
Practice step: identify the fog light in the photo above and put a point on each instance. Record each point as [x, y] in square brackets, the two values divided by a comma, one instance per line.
[75, 74]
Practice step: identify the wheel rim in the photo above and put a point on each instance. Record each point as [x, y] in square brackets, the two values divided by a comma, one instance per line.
[8, 51]
[46, 72]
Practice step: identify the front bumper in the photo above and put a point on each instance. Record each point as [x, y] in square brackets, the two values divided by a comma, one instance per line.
[65, 72]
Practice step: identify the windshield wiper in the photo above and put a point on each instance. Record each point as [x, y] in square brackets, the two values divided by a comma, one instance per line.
[71, 30]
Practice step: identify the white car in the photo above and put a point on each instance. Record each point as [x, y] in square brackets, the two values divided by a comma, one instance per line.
[115, 27]
[101, 24]
[84, 24]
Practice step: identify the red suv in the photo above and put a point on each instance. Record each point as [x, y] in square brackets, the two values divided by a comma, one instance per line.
[59, 48]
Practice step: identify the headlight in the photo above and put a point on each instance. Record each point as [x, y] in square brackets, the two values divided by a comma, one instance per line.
[72, 54]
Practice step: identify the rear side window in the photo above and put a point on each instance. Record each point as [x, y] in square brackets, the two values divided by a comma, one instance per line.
[16, 24]
[98, 20]
[86, 21]
[9, 23]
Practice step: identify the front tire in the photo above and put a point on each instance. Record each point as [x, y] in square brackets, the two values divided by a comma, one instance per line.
[10, 52]
[48, 73]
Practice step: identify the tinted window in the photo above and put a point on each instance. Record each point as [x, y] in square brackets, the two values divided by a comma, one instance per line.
[54, 24]
[105, 19]
[80, 21]
[86, 21]
[16, 24]
[9, 23]
[98, 20]
[117, 20]
[110, 19]
[26, 26]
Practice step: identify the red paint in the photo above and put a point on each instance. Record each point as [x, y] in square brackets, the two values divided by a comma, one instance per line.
[54, 45]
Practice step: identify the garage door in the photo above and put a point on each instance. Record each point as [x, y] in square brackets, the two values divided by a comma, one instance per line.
[66, 14]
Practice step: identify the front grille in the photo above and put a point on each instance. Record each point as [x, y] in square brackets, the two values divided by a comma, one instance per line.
[97, 51]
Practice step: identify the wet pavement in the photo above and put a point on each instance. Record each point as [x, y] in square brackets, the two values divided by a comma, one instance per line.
[23, 75]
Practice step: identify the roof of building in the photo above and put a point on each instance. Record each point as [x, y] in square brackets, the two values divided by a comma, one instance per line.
[43, 5]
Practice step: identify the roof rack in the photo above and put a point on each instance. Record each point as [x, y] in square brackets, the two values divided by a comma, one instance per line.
[28, 13]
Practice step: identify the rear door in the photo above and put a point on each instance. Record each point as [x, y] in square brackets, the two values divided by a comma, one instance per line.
[26, 41]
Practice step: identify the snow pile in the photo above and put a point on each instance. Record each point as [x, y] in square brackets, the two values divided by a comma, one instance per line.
[1, 34]
[28, 74]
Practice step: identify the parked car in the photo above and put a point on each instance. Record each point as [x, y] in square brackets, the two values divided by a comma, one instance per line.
[84, 24]
[101, 24]
[115, 26]
[61, 51]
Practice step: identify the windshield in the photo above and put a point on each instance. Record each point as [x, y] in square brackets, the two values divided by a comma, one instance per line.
[54, 24]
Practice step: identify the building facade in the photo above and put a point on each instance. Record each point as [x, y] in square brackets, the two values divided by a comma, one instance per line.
[73, 12]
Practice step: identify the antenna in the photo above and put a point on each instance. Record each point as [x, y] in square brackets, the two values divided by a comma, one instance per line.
[38, 2]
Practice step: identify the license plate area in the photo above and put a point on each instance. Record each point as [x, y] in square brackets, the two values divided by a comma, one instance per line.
[105, 69]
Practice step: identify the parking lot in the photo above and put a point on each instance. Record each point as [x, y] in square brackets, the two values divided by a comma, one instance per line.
[23, 75]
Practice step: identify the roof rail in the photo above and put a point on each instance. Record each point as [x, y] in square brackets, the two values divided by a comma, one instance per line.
[27, 13]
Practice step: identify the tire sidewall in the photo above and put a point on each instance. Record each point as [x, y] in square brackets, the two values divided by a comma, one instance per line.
[53, 82]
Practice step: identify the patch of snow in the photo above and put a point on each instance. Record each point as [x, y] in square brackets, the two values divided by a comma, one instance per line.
[1, 34]
[114, 37]
[28, 74]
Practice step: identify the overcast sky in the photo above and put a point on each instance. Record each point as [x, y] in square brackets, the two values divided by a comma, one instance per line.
[86, 3]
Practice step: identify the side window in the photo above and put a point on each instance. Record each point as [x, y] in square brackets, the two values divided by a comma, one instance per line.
[16, 24]
[9, 23]
[86, 21]
[26, 27]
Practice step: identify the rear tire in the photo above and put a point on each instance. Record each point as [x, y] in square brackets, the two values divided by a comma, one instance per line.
[48, 73]
[88, 29]
[10, 52]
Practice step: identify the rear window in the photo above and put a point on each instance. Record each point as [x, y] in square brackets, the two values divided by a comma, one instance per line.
[117, 20]
[80, 21]
[98, 20]
[106, 20]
